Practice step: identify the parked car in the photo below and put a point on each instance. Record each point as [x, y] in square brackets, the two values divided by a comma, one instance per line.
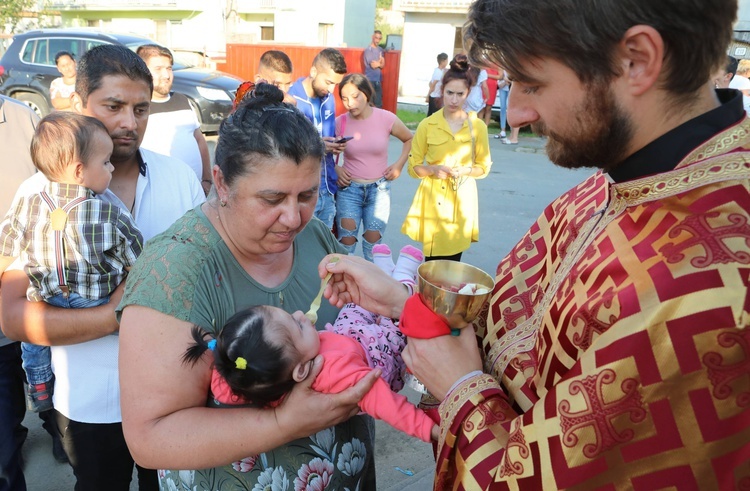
[28, 67]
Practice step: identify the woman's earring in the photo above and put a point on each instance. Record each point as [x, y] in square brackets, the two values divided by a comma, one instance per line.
[222, 203]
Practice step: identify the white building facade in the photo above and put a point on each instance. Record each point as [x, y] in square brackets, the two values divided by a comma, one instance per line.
[431, 27]
[208, 25]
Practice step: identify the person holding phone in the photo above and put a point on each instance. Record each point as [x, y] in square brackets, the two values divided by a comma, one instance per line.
[364, 176]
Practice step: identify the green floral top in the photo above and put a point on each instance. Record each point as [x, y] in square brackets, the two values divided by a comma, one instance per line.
[189, 273]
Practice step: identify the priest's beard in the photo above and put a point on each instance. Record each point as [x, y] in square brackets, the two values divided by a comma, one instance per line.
[597, 136]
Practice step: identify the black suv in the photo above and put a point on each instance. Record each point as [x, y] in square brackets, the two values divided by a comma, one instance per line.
[28, 67]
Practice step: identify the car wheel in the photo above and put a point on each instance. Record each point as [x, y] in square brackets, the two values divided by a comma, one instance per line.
[34, 101]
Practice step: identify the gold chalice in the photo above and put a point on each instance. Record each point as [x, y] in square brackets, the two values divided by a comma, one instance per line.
[455, 291]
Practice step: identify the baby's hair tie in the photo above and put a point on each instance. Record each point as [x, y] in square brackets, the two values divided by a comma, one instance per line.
[240, 363]
[212, 345]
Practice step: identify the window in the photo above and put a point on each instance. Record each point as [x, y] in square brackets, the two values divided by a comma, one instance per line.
[266, 33]
[324, 33]
[88, 44]
[40, 53]
[62, 44]
[458, 41]
[28, 52]
[43, 51]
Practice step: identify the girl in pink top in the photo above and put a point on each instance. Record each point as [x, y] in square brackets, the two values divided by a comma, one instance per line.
[262, 351]
[364, 176]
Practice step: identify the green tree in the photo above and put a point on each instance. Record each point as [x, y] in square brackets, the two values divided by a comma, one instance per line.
[11, 10]
[383, 4]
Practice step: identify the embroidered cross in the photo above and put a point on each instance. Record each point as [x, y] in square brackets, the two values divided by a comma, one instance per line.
[721, 375]
[573, 230]
[489, 415]
[599, 414]
[711, 239]
[589, 315]
[515, 440]
[531, 360]
[517, 255]
[527, 300]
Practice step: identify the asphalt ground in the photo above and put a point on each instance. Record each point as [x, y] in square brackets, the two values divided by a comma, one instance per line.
[520, 184]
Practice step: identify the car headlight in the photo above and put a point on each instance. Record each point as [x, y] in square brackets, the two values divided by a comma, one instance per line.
[213, 94]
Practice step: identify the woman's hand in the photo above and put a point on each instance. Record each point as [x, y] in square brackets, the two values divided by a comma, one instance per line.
[345, 177]
[460, 171]
[305, 411]
[393, 171]
[332, 147]
[356, 280]
[439, 362]
[441, 171]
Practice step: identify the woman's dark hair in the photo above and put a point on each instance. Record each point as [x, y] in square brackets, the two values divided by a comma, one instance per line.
[60, 54]
[360, 82]
[267, 376]
[264, 128]
[459, 70]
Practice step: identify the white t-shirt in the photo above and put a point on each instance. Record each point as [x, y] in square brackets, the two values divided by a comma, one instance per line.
[87, 380]
[437, 75]
[58, 88]
[171, 131]
[475, 100]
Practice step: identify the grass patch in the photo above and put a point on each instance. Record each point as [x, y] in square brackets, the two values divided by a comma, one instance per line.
[410, 118]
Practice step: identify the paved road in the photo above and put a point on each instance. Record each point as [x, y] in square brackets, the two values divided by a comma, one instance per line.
[521, 183]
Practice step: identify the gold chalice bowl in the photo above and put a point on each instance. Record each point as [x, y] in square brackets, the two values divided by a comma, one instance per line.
[455, 291]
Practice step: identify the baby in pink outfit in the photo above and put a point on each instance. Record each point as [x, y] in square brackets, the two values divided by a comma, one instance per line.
[262, 351]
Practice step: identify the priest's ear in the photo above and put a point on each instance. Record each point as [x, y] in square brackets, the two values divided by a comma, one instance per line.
[641, 53]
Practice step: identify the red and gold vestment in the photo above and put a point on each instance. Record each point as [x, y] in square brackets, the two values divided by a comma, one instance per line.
[616, 341]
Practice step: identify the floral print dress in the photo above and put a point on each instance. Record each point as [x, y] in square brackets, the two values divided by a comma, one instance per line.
[326, 460]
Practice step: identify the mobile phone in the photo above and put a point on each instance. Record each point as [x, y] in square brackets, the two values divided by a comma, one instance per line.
[343, 139]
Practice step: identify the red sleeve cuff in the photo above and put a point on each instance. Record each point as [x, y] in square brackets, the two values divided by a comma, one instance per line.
[418, 321]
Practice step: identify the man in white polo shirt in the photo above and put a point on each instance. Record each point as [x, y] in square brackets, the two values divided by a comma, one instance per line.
[114, 86]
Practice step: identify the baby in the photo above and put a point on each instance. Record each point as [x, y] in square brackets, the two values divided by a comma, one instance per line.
[262, 351]
[75, 248]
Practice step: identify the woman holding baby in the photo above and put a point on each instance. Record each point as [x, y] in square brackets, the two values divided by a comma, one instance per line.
[254, 242]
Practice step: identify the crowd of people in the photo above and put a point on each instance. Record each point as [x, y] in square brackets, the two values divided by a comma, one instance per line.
[613, 350]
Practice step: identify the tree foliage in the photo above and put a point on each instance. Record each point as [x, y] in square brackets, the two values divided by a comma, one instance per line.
[11, 10]
[383, 4]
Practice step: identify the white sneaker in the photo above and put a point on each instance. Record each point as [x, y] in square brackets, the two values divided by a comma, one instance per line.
[502, 134]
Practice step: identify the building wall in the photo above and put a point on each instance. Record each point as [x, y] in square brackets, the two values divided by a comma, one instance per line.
[175, 28]
[425, 36]
[359, 23]
[305, 24]
[208, 28]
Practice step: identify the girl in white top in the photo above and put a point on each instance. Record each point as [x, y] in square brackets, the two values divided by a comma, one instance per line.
[479, 93]
[61, 87]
